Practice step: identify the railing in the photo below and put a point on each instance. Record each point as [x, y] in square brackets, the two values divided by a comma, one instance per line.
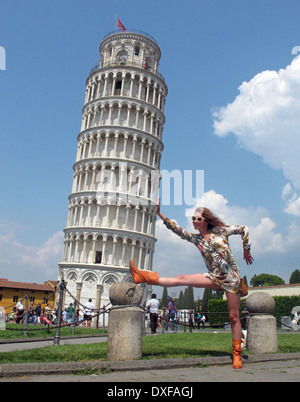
[186, 321]
[118, 31]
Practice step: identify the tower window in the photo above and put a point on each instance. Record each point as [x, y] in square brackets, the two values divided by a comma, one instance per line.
[98, 258]
[118, 87]
[136, 51]
[123, 59]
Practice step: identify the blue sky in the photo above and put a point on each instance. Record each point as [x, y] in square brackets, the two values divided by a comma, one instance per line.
[232, 110]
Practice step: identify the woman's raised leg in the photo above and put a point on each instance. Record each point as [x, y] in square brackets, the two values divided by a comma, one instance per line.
[150, 277]
[195, 280]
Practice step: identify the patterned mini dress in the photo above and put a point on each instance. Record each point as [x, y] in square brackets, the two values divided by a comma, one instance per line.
[219, 260]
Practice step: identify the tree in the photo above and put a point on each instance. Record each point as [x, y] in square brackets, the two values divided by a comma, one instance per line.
[180, 300]
[164, 299]
[190, 298]
[207, 294]
[217, 294]
[295, 277]
[185, 299]
[266, 280]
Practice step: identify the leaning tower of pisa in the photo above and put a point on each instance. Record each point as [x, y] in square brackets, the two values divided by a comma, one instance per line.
[112, 215]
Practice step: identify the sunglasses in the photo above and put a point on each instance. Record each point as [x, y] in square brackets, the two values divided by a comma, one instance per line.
[196, 218]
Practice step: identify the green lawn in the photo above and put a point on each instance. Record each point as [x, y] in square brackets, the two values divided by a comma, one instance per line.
[181, 345]
[15, 331]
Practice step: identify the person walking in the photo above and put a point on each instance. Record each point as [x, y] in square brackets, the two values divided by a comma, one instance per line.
[20, 311]
[30, 315]
[203, 320]
[153, 306]
[171, 315]
[38, 311]
[88, 311]
[223, 271]
[70, 313]
[48, 312]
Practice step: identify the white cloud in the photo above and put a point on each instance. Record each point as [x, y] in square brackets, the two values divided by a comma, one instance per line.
[265, 117]
[292, 200]
[25, 263]
[230, 214]
[287, 191]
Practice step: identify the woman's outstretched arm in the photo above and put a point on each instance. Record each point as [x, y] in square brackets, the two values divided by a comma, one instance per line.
[171, 225]
[162, 216]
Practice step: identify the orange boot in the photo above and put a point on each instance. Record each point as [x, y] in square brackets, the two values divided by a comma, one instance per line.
[237, 350]
[140, 276]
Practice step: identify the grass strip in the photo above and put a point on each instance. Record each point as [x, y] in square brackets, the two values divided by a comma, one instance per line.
[181, 345]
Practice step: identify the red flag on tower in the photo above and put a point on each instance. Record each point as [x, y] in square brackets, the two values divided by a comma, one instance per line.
[120, 25]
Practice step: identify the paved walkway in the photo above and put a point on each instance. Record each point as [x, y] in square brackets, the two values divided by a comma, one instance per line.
[272, 371]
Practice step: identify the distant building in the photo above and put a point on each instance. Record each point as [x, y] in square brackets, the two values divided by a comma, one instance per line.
[11, 292]
[277, 290]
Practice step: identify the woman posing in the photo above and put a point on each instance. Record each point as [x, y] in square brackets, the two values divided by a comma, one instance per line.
[223, 272]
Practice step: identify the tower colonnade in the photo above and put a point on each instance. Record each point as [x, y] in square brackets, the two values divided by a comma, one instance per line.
[116, 143]
[150, 101]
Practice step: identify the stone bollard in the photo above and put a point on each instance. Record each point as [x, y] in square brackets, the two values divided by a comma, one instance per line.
[126, 320]
[262, 328]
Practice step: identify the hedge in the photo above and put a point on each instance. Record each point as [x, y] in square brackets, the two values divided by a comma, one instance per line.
[214, 307]
[283, 307]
